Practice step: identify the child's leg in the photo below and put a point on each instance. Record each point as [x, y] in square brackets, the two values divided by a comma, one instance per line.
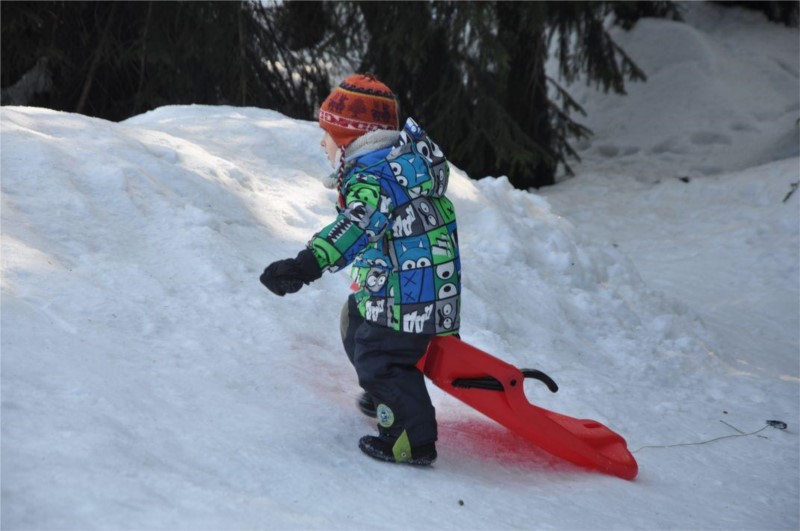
[384, 360]
[351, 320]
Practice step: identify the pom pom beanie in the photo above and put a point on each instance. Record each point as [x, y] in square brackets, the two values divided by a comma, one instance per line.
[359, 104]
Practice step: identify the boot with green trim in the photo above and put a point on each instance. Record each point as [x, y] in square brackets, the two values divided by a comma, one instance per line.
[398, 452]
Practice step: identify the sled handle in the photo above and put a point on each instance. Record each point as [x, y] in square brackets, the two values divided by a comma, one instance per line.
[486, 383]
[542, 377]
[489, 383]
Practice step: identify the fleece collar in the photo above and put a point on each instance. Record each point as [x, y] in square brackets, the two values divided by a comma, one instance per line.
[362, 145]
[371, 141]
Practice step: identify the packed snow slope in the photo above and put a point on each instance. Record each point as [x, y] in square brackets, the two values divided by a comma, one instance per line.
[150, 382]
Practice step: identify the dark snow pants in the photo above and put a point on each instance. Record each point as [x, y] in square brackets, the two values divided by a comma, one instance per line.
[385, 364]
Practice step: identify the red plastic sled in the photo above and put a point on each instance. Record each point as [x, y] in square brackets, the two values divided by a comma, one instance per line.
[495, 388]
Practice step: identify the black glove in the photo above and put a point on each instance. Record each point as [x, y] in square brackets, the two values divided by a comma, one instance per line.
[288, 276]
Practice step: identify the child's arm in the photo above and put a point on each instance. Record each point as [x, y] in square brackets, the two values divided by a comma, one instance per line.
[363, 220]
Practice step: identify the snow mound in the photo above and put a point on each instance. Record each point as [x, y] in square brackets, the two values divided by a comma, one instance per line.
[131, 254]
[186, 205]
[717, 98]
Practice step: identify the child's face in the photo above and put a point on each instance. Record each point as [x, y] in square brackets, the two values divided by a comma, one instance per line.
[331, 149]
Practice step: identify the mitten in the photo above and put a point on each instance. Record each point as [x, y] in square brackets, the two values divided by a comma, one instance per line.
[288, 276]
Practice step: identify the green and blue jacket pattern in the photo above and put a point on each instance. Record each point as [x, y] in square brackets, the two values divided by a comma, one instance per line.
[398, 230]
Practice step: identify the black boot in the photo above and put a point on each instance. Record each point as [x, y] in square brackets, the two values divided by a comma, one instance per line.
[383, 450]
[367, 405]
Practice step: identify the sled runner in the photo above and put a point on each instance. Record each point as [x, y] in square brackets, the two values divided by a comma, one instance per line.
[495, 388]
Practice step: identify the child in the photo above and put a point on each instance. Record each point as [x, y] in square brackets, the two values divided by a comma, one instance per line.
[398, 230]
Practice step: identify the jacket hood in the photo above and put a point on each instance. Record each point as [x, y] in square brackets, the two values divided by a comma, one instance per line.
[417, 163]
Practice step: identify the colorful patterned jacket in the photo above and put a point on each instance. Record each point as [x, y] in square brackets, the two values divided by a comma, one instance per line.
[398, 230]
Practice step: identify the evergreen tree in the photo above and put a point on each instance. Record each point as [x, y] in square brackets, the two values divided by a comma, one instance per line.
[117, 59]
[474, 73]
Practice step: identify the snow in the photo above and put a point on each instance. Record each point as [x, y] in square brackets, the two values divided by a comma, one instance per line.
[150, 382]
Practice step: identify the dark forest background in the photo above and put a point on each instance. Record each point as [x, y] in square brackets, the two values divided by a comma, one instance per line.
[472, 73]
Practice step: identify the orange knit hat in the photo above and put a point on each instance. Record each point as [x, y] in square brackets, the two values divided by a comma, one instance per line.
[359, 104]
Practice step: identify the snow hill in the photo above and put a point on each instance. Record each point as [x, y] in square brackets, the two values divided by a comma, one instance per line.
[150, 382]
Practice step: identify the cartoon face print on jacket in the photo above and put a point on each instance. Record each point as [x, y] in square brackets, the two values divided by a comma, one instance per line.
[377, 275]
[412, 174]
[445, 314]
[419, 165]
[376, 280]
[427, 213]
[413, 252]
[428, 149]
[416, 269]
[433, 156]
[415, 159]
[414, 137]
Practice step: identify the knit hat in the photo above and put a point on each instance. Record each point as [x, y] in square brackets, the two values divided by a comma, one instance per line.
[359, 104]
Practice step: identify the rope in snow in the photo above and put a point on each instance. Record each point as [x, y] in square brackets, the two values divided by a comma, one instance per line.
[791, 191]
[777, 424]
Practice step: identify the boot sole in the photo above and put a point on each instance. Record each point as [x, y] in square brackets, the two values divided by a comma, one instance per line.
[376, 454]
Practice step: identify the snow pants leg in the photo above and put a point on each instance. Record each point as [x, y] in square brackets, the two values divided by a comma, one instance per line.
[385, 364]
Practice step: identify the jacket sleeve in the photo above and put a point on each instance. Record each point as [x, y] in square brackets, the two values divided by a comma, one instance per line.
[364, 219]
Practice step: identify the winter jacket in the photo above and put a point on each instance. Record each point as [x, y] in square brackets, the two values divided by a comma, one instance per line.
[398, 230]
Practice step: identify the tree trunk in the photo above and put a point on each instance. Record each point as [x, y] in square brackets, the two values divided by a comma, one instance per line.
[98, 55]
[242, 58]
[522, 28]
[143, 61]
